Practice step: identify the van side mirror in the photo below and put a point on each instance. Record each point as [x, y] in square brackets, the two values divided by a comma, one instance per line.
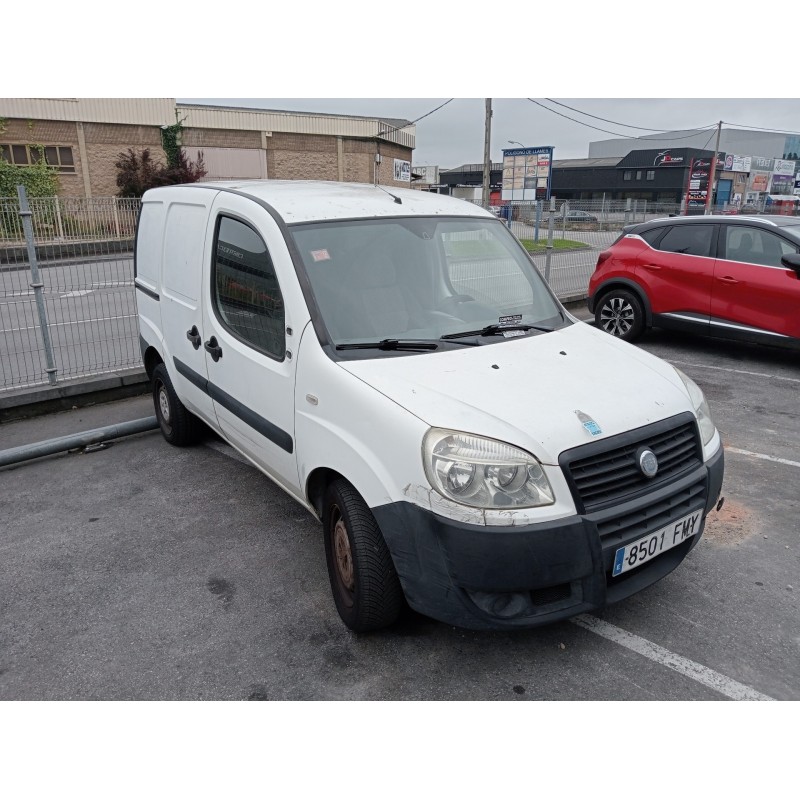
[792, 261]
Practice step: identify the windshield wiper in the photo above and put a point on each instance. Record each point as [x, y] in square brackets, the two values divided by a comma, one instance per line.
[390, 344]
[494, 330]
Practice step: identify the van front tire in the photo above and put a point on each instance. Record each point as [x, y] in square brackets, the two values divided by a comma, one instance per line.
[364, 582]
[178, 425]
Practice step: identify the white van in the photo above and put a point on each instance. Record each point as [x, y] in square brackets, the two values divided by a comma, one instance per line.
[393, 360]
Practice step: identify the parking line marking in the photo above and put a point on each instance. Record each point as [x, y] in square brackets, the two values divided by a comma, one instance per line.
[71, 322]
[761, 455]
[691, 669]
[739, 371]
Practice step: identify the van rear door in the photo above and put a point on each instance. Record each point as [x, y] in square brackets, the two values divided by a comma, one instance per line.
[181, 313]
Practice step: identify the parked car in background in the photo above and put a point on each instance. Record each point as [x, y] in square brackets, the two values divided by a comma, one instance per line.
[735, 277]
[580, 216]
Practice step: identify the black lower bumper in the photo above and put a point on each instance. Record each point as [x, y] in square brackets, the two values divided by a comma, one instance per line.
[486, 577]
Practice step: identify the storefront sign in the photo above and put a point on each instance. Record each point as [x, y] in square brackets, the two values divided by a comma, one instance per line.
[782, 167]
[666, 159]
[737, 163]
[759, 181]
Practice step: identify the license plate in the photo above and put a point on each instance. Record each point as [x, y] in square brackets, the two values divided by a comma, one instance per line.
[642, 550]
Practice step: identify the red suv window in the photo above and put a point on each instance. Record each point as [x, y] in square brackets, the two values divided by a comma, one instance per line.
[691, 240]
[755, 246]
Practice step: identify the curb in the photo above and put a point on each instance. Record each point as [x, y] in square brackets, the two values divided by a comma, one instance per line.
[71, 394]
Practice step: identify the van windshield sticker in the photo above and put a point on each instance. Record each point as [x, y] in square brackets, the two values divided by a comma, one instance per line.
[511, 319]
[320, 255]
[508, 334]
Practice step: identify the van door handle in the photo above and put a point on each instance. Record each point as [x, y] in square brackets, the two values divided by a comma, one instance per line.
[214, 350]
[194, 337]
[728, 279]
[651, 267]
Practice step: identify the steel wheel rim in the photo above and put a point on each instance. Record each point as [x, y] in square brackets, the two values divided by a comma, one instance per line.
[163, 403]
[616, 316]
[342, 557]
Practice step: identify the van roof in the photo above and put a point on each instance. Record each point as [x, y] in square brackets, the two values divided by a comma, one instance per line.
[308, 201]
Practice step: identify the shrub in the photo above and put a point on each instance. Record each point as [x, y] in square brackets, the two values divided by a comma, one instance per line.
[138, 172]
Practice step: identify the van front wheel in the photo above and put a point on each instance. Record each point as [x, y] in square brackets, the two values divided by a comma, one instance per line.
[178, 425]
[364, 582]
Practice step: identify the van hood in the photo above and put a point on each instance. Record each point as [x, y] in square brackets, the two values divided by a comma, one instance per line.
[527, 391]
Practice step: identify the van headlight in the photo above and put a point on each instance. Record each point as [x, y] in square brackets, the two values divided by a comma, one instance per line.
[700, 406]
[483, 473]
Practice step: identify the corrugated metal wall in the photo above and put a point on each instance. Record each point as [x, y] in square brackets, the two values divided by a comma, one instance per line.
[124, 111]
[291, 122]
[161, 111]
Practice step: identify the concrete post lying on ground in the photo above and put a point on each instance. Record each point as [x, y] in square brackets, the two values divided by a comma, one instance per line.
[63, 443]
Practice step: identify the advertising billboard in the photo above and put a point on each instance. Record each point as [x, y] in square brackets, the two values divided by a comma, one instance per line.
[527, 173]
[402, 170]
[697, 188]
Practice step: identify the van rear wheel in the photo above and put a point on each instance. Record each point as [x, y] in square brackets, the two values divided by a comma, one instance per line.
[364, 582]
[178, 425]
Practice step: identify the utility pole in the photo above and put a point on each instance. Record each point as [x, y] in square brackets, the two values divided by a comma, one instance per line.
[713, 170]
[487, 161]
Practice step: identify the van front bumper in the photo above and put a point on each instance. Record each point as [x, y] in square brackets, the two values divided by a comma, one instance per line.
[481, 577]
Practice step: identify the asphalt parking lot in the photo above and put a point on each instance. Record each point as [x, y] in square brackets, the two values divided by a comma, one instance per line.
[142, 571]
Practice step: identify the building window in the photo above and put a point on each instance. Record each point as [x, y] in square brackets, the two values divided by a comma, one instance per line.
[627, 175]
[651, 174]
[638, 174]
[26, 155]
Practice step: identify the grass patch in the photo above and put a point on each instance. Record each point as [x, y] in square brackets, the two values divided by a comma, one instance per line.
[558, 244]
[476, 248]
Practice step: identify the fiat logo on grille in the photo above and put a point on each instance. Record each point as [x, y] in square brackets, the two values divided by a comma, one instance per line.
[648, 463]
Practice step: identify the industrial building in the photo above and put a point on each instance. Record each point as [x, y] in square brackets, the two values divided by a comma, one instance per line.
[83, 138]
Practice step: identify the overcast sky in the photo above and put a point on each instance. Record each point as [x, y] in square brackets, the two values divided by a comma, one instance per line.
[401, 55]
[453, 135]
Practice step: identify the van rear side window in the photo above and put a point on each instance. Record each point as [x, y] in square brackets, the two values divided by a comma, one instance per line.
[247, 297]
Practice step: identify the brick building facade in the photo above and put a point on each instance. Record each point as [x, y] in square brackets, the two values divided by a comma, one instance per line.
[84, 139]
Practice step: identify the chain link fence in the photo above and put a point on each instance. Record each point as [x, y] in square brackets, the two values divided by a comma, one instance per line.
[70, 312]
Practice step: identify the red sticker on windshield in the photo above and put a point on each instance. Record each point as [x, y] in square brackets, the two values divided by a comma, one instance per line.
[320, 255]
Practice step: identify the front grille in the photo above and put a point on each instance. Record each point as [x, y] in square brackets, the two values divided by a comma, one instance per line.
[604, 472]
[615, 529]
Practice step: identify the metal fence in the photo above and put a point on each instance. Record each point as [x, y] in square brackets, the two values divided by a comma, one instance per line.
[71, 313]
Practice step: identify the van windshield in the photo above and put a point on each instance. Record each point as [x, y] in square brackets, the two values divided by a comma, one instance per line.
[414, 279]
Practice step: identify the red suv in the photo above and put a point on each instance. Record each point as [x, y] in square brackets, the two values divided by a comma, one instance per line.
[732, 277]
